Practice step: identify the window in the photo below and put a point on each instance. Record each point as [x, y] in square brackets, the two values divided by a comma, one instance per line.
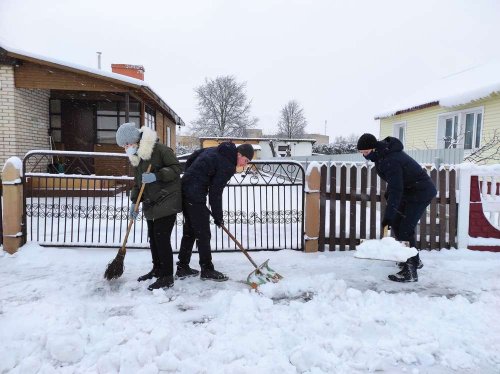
[110, 115]
[399, 131]
[450, 132]
[55, 121]
[150, 118]
[472, 136]
[460, 129]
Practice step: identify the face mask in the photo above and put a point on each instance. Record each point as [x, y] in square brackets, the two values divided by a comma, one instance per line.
[131, 151]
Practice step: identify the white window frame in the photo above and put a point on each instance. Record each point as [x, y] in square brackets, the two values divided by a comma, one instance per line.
[462, 115]
[395, 131]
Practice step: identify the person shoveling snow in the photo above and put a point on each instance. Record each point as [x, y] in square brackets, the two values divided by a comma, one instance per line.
[409, 191]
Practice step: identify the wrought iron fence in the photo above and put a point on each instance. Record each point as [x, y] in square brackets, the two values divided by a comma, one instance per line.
[65, 205]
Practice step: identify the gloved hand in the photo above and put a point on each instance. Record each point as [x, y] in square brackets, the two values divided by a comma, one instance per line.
[148, 177]
[386, 194]
[132, 213]
[387, 222]
[218, 222]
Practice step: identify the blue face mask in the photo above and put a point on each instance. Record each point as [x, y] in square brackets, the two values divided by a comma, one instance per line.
[131, 150]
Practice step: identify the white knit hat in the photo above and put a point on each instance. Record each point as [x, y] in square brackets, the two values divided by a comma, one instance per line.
[128, 133]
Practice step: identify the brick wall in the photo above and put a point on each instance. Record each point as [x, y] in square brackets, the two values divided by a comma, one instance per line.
[24, 117]
[7, 117]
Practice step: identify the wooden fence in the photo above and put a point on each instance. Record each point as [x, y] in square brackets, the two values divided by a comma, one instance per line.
[352, 211]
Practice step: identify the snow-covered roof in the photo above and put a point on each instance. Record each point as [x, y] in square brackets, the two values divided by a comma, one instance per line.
[461, 88]
[129, 81]
[256, 147]
[228, 138]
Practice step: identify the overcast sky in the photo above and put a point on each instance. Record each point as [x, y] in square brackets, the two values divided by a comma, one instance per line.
[343, 61]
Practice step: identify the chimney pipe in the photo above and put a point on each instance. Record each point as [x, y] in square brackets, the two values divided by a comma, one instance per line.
[99, 60]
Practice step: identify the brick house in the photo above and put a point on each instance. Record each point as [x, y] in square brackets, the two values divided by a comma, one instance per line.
[50, 104]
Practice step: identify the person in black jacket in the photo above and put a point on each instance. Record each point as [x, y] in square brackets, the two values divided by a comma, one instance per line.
[206, 172]
[409, 192]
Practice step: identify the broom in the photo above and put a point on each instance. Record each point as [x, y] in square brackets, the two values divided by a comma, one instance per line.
[115, 267]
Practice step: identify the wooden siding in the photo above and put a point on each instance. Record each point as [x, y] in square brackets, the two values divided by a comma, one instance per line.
[31, 75]
[160, 127]
[422, 125]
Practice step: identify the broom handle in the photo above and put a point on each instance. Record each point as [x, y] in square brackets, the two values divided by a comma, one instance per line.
[132, 220]
[239, 246]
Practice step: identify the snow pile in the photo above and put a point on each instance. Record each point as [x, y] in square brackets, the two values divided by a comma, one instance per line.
[330, 314]
[388, 249]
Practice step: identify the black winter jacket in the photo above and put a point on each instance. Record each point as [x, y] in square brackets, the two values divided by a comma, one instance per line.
[406, 180]
[207, 171]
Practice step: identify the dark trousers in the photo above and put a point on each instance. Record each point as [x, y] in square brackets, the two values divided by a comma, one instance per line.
[159, 231]
[196, 227]
[405, 221]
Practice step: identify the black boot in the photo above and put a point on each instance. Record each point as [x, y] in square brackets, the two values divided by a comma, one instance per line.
[209, 273]
[408, 273]
[184, 271]
[419, 266]
[150, 275]
[165, 281]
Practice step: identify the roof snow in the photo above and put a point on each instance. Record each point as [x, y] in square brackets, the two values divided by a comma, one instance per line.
[98, 72]
[461, 88]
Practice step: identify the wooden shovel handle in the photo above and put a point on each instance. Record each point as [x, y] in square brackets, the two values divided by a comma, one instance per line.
[385, 232]
[132, 220]
[239, 246]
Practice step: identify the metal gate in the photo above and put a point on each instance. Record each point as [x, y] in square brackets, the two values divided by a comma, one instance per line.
[65, 205]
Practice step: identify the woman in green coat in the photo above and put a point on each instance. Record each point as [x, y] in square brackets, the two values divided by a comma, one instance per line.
[161, 200]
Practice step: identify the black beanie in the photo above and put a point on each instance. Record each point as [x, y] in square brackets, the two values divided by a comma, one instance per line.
[367, 141]
[245, 150]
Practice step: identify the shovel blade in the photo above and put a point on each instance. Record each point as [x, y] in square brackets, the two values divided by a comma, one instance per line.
[263, 274]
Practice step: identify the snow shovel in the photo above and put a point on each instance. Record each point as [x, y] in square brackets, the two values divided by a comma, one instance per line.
[115, 267]
[262, 274]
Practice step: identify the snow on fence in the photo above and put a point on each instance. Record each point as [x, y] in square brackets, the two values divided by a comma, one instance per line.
[353, 210]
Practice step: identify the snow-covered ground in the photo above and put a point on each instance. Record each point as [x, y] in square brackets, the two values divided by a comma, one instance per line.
[331, 313]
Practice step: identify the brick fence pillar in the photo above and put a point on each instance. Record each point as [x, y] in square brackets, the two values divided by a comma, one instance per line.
[312, 209]
[12, 205]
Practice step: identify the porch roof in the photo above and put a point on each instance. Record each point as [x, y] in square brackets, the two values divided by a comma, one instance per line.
[460, 88]
[142, 86]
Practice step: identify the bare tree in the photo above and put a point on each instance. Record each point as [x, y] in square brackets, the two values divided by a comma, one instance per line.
[223, 108]
[292, 121]
[489, 151]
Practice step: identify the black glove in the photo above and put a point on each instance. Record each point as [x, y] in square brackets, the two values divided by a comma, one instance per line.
[386, 195]
[218, 222]
[387, 222]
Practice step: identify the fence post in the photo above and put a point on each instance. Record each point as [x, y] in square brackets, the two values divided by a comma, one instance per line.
[311, 217]
[12, 204]
[463, 207]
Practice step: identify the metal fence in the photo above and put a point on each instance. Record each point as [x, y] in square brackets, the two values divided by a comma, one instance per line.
[352, 210]
[66, 206]
[436, 157]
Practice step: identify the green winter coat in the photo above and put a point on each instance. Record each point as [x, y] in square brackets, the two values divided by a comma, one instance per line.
[162, 197]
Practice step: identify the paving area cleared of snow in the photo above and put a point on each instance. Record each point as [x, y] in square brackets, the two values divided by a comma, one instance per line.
[332, 313]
